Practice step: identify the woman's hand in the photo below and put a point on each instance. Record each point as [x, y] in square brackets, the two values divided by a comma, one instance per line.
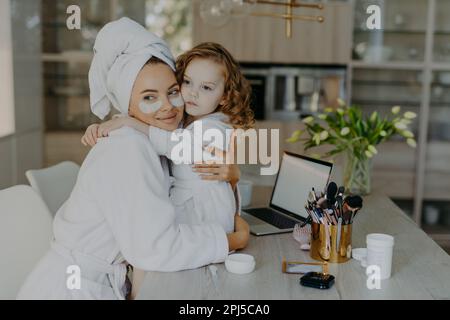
[223, 172]
[225, 169]
[241, 235]
[90, 136]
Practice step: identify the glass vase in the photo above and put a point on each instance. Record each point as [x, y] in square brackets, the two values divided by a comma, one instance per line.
[357, 175]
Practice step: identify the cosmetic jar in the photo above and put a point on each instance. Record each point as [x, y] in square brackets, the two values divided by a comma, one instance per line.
[240, 263]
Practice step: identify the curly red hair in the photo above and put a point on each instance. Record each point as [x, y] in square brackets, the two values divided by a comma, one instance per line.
[237, 91]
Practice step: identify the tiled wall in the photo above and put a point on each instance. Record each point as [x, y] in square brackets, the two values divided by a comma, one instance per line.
[23, 150]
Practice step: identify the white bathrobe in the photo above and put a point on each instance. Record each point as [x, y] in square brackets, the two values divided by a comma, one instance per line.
[199, 201]
[119, 211]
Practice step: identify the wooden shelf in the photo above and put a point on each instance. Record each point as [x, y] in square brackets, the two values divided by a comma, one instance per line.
[437, 230]
[386, 103]
[384, 83]
[440, 66]
[68, 57]
[394, 31]
[391, 65]
[405, 32]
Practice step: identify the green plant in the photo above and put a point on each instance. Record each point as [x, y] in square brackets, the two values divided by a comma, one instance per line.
[347, 130]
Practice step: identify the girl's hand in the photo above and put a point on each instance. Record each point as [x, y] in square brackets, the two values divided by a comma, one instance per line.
[106, 127]
[90, 136]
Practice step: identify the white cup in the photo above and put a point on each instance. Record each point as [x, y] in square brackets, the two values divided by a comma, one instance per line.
[245, 189]
[379, 253]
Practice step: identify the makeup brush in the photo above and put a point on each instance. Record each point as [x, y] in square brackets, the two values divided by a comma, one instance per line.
[354, 201]
[331, 193]
[340, 200]
[312, 197]
[316, 194]
[322, 203]
[354, 215]
[351, 205]
[307, 221]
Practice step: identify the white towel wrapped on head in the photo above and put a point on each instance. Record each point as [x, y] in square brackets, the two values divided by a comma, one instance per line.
[121, 49]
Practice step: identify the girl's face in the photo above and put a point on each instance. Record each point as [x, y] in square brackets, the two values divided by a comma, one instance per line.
[156, 97]
[203, 87]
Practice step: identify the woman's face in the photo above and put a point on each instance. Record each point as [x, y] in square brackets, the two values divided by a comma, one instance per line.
[156, 98]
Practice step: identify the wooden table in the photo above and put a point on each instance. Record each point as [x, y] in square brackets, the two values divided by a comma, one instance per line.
[420, 270]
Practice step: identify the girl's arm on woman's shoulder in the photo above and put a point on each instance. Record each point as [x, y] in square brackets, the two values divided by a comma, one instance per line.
[90, 136]
[96, 130]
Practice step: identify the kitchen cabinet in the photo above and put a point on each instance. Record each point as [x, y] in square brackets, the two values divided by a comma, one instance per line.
[263, 39]
[407, 63]
[66, 57]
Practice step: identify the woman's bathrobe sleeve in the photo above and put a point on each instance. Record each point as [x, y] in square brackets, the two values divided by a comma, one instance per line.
[129, 188]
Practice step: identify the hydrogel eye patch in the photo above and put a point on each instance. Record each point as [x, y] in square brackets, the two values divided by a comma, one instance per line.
[149, 107]
[177, 102]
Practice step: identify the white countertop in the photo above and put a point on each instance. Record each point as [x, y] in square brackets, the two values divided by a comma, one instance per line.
[421, 269]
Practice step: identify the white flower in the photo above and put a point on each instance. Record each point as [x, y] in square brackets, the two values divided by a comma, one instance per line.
[316, 138]
[400, 125]
[411, 142]
[323, 135]
[383, 133]
[308, 119]
[328, 110]
[372, 149]
[410, 115]
[345, 131]
[405, 121]
[341, 102]
[373, 116]
[407, 134]
[395, 109]
[322, 116]
[340, 111]
[368, 154]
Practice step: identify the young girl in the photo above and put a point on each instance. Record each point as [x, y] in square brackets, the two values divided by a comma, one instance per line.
[216, 95]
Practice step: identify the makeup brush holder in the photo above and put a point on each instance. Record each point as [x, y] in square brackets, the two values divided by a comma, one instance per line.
[328, 245]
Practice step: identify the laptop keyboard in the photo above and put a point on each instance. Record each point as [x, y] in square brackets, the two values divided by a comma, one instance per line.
[272, 217]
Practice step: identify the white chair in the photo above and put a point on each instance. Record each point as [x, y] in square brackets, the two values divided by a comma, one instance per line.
[54, 183]
[25, 236]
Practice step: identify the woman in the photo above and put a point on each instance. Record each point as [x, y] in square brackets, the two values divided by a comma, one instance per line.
[119, 211]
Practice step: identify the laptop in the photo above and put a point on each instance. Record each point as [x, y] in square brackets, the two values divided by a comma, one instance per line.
[295, 178]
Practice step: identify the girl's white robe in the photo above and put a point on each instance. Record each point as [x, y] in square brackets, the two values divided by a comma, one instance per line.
[119, 211]
[198, 201]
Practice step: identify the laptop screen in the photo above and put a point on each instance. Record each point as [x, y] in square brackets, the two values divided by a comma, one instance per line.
[296, 177]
